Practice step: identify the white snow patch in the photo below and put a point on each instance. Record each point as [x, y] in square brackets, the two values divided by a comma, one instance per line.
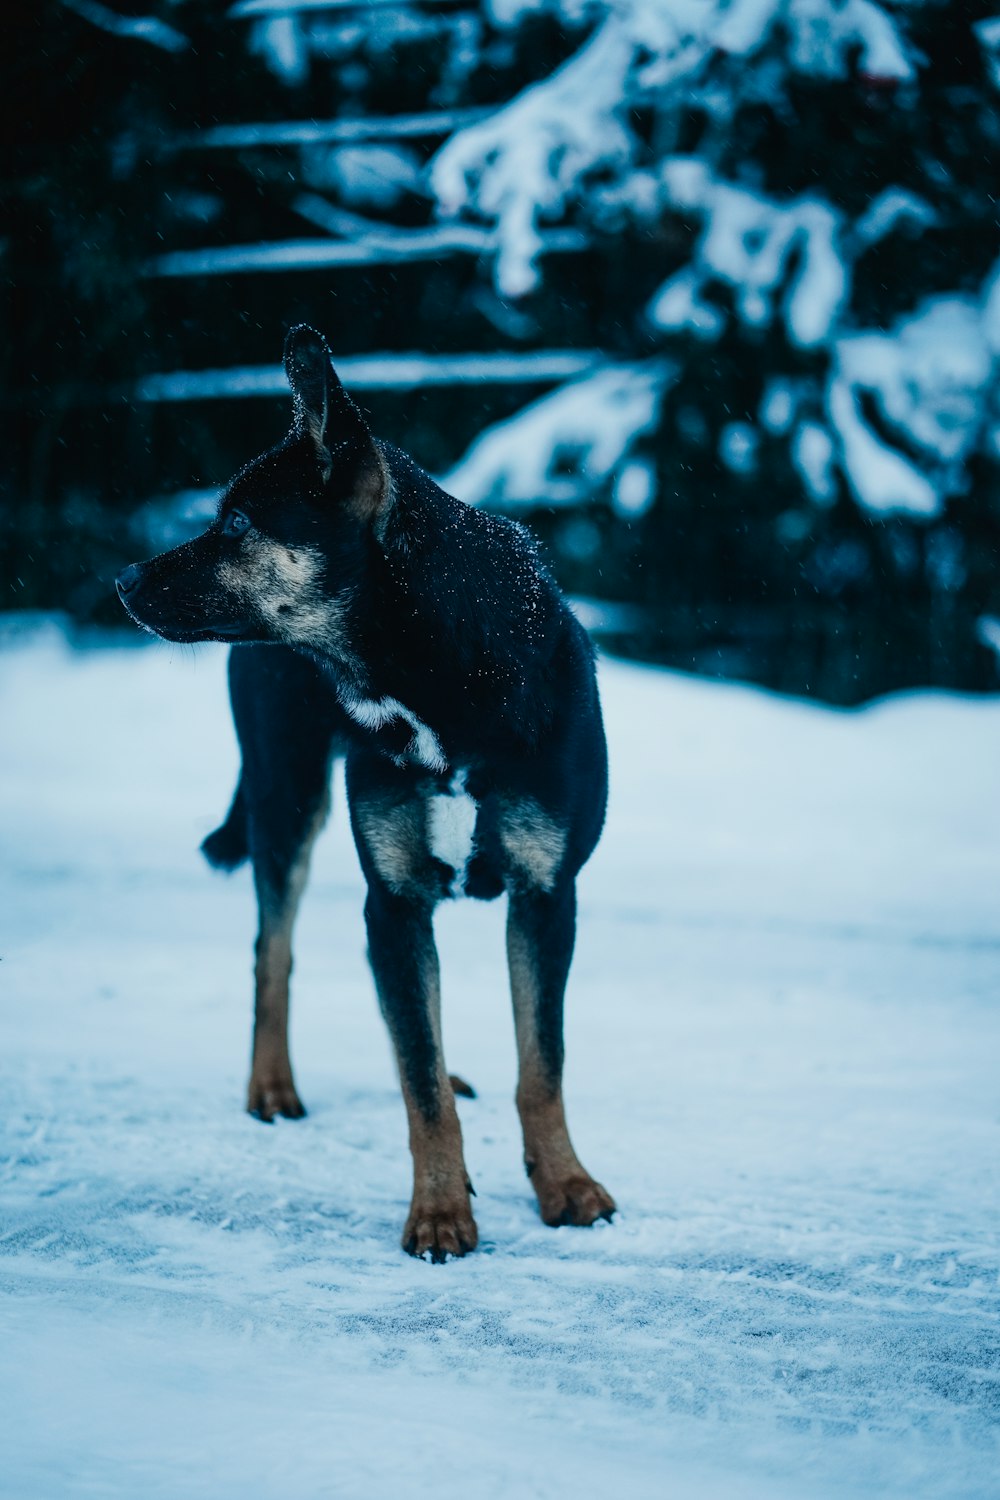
[371, 372]
[738, 447]
[527, 160]
[892, 207]
[813, 455]
[758, 248]
[368, 175]
[308, 132]
[634, 491]
[680, 307]
[778, 405]
[532, 161]
[931, 379]
[988, 633]
[563, 448]
[988, 36]
[136, 28]
[281, 42]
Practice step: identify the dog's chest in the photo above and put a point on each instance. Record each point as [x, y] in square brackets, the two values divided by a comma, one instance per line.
[451, 828]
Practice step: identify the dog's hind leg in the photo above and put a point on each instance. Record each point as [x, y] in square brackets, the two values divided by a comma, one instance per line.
[287, 722]
[541, 927]
[405, 965]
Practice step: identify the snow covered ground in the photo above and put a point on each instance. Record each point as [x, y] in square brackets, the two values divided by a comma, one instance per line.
[784, 1034]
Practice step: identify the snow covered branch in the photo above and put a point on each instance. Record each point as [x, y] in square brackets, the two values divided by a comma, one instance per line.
[530, 162]
[749, 243]
[138, 28]
[569, 446]
[526, 163]
[932, 383]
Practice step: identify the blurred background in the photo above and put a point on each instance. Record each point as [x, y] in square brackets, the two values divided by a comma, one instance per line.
[706, 293]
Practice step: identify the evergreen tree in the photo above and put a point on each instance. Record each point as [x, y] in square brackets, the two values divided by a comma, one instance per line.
[705, 290]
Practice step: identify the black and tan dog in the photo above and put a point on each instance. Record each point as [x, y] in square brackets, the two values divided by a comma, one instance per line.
[424, 639]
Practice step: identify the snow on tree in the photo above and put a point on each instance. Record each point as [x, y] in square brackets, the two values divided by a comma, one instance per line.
[569, 446]
[932, 378]
[566, 150]
[526, 163]
[749, 244]
[706, 289]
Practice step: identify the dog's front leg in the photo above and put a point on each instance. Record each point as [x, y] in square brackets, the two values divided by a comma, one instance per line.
[281, 866]
[405, 965]
[541, 928]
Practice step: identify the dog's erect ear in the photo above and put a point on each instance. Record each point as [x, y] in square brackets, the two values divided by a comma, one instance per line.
[325, 412]
[323, 409]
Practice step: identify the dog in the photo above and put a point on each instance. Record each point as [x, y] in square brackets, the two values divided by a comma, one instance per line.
[373, 615]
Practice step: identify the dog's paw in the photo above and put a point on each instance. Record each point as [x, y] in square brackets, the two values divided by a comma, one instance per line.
[573, 1200]
[435, 1231]
[269, 1097]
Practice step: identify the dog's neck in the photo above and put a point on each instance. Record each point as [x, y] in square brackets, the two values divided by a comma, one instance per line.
[454, 626]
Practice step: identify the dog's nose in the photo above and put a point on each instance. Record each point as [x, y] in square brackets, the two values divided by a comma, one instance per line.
[128, 580]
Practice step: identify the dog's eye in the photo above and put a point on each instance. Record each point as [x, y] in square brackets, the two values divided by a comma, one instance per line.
[235, 523]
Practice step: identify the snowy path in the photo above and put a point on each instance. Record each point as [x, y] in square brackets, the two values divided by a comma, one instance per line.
[784, 1035]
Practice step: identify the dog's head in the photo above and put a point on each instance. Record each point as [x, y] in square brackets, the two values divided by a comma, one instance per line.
[279, 560]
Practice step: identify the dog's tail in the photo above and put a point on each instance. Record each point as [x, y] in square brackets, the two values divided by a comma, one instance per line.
[228, 847]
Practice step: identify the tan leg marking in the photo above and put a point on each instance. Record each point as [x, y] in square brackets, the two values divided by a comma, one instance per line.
[567, 1194]
[397, 841]
[440, 1221]
[533, 843]
[271, 1090]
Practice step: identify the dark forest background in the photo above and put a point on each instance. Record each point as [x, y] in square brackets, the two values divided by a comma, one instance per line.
[730, 285]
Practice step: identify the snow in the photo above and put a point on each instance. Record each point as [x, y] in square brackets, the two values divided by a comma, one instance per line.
[988, 633]
[827, 35]
[679, 307]
[136, 28]
[782, 1042]
[247, 8]
[931, 380]
[530, 161]
[416, 244]
[366, 176]
[893, 207]
[821, 38]
[748, 243]
[988, 35]
[280, 41]
[308, 132]
[813, 455]
[738, 445]
[778, 406]
[567, 446]
[527, 161]
[370, 372]
[377, 245]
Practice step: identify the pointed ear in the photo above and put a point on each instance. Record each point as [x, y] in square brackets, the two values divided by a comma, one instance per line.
[326, 414]
[323, 409]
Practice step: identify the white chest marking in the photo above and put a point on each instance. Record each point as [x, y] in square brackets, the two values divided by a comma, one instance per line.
[451, 824]
[374, 712]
